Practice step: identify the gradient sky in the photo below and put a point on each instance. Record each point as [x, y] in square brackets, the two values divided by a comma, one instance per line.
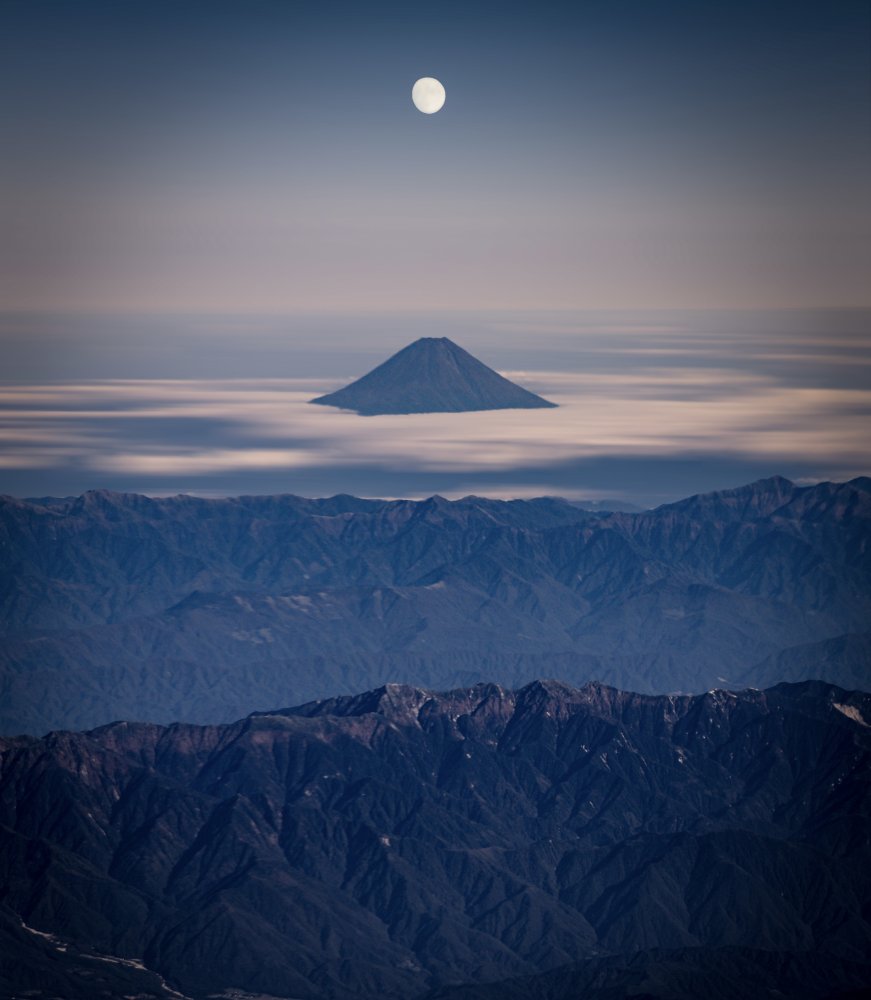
[265, 156]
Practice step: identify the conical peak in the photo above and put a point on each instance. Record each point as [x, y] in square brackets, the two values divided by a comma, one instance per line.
[428, 344]
[432, 375]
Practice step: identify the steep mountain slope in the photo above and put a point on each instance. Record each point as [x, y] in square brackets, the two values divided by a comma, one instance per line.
[119, 606]
[716, 974]
[401, 842]
[847, 655]
[432, 375]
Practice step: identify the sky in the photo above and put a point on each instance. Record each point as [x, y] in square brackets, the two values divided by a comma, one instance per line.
[657, 214]
[265, 156]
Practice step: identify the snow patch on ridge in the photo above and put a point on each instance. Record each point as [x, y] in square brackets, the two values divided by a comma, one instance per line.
[852, 713]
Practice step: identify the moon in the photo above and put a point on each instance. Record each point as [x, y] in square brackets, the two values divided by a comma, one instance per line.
[428, 95]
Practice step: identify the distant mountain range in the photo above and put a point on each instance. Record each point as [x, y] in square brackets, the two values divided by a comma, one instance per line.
[122, 606]
[482, 844]
[432, 375]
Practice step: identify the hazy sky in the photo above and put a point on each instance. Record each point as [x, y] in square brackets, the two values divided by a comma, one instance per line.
[265, 156]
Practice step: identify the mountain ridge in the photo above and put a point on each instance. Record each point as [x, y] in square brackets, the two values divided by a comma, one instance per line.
[113, 605]
[405, 843]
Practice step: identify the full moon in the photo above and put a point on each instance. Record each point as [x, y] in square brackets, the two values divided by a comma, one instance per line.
[428, 95]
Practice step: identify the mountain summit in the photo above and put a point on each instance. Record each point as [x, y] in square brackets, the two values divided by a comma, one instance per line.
[432, 375]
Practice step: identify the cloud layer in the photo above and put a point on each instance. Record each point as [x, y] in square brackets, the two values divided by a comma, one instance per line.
[162, 431]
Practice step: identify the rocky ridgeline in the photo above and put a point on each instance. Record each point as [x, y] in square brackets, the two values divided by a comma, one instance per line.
[117, 606]
[473, 843]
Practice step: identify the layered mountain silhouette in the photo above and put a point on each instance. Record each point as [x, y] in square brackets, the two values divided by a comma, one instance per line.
[124, 606]
[549, 842]
[432, 375]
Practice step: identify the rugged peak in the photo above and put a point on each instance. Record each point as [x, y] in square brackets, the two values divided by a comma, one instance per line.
[757, 499]
[388, 700]
[109, 504]
[547, 688]
[99, 498]
[431, 375]
[561, 699]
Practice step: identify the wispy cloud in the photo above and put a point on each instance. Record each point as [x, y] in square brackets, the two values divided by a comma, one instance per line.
[171, 463]
[269, 424]
[645, 410]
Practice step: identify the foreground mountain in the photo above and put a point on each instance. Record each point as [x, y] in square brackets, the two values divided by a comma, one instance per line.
[481, 843]
[120, 606]
[662, 974]
[432, 375]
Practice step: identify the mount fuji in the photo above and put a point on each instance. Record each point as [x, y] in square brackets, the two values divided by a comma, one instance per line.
[432, 375]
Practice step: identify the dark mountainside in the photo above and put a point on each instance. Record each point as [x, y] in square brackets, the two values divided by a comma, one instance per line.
[118, 606]
[432, 375]
[482, 843]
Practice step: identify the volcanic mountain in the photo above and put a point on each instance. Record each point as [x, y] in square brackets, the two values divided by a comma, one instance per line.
[432, 375]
